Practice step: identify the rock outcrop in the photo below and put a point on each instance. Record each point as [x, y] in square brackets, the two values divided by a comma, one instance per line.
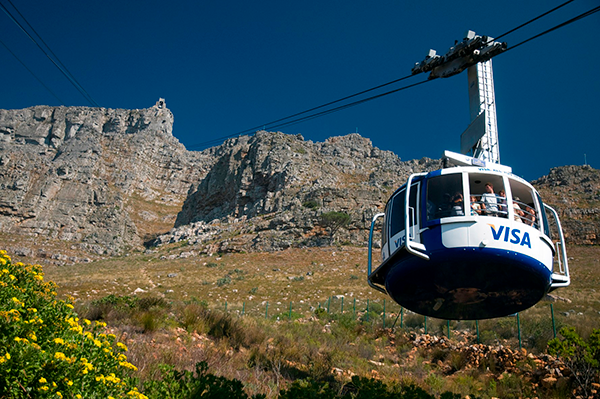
[275, 188]
[106, 178]
[574, 191]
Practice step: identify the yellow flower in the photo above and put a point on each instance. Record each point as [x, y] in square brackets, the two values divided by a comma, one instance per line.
[60, 356]
[128, 365]
[43, 380]
[7, 356]
[59, 341]
[44, 388]
[87, 322]
[122, 346]
[59, 394]
[78, 396]
[70, 306]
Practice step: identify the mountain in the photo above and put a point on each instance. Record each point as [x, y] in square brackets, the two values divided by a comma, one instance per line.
[574, 191]
[107, 179]
[110, 180]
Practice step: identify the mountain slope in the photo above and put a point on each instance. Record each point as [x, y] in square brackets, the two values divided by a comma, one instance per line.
[107, 180]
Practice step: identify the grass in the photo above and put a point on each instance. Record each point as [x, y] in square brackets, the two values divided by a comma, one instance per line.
[307, 275]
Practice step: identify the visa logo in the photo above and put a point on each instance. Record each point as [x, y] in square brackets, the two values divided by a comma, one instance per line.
[513, 236]
[400, 241]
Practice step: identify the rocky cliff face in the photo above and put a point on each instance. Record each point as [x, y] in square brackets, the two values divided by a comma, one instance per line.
[101, 177]
[574, 191]
[106, 180]
[272, 189]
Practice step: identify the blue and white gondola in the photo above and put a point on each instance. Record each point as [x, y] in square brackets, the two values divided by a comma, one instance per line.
[451, 260]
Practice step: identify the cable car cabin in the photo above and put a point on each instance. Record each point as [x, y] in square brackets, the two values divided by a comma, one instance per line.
[469, 243]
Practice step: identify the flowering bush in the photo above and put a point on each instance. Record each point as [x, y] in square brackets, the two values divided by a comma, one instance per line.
[46, 351]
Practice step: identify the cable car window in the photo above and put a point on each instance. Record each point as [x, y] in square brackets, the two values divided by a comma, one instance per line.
[543, 217]
[397, 216]
[384, 236]
[524, 205]
[445, 196]
[398, 208]
[488, 196]
[412, 203]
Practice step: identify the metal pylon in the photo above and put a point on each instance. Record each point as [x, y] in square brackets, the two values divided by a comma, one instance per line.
[482, 100]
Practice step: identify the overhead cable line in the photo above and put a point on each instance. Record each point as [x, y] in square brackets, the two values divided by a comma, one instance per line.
[339, 108]
[561, 25]
[253, 129]
[319, 114]
[54, 59]
[31, 72]
[533, 19]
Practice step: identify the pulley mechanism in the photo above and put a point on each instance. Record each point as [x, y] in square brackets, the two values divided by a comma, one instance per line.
[472, 50]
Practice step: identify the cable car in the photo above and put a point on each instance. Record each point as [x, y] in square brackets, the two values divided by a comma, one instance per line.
[468, 243]
[472, 241]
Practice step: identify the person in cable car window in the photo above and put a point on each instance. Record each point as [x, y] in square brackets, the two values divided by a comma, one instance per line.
[475, 206]
[446, 206]
[457, 205]
[489, 200]
[502, 208]
[518, 211]
[529, 218]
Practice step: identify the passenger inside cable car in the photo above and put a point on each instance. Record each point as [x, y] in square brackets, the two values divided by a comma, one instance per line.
[445, 198]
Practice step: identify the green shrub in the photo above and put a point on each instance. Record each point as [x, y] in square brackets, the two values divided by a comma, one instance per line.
[580, 356]
[334, 221]
[310, 204]
[185, 384]
[321, 313]
[223, 281]
[45, 351]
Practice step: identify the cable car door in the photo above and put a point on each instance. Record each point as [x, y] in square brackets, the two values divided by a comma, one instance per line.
[397, 218]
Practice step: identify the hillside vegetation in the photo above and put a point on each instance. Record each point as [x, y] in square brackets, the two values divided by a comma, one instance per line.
[244, 329]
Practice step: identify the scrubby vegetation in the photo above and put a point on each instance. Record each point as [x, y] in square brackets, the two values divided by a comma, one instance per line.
[53, 347]
[46, 350]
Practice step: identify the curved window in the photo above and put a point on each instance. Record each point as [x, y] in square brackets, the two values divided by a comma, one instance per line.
[397, 217]
[384, 236]
[398, 220]
[488, 197]
[524, 205]
[543, 218]
[445, 196]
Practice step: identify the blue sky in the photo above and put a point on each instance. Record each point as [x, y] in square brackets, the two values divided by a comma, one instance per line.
[227, 66]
